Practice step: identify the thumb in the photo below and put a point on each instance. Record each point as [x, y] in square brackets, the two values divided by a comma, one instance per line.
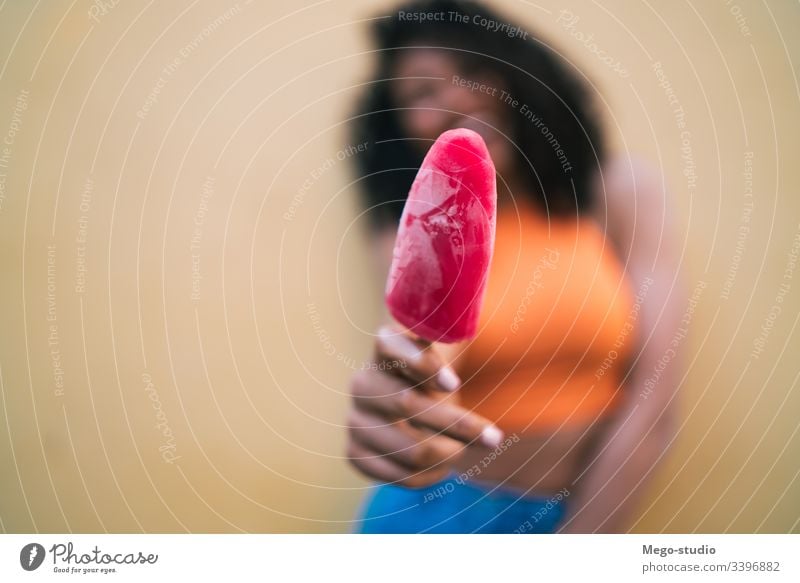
[415, 359]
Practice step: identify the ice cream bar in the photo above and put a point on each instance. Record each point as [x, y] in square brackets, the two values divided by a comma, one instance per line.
[445, 241]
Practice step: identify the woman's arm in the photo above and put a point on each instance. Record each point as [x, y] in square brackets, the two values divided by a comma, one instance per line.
[638, 220]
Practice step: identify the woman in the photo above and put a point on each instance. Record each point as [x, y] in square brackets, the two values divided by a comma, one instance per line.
[550, 420]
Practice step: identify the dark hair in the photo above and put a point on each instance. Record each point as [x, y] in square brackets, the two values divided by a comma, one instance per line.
[533, 74]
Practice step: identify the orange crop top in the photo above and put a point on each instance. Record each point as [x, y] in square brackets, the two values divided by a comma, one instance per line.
[557, 328]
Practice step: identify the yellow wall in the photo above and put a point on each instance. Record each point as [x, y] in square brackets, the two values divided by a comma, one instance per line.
[249, 374]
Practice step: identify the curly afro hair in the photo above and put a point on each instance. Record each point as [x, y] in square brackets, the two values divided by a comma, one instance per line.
[565, 127]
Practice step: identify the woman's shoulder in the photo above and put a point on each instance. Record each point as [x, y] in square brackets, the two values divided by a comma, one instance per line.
[626, 179]
[630, 197]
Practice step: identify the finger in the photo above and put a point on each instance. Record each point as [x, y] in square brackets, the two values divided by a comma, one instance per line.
[376, 466]
[448, 419]
[417, 359]
[373, 390]
[408, 446]
[391, 397]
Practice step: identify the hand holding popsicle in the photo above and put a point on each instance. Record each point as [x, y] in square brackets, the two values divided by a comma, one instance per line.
[405, 425]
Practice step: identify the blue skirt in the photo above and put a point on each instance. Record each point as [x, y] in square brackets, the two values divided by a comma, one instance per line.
[455, 506]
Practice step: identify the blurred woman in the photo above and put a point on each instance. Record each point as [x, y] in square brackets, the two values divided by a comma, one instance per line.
[554, 416]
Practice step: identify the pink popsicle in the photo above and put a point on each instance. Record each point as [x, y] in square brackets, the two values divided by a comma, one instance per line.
[445, 241]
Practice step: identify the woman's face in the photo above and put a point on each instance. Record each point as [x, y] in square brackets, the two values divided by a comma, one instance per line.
[435, 95]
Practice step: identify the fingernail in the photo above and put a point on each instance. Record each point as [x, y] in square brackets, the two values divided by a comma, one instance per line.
[448, 379]
[491, 436]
